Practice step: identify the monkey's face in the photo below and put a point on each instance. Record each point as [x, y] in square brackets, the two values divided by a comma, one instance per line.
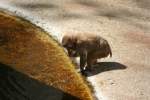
[70, 44]
[72, 53]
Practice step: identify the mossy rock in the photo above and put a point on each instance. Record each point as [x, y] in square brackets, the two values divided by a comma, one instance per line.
[33, 66]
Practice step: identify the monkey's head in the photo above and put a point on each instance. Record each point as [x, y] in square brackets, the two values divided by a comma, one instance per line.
[70, 43]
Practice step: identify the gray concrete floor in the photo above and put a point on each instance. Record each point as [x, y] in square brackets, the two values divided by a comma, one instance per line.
[124, 23]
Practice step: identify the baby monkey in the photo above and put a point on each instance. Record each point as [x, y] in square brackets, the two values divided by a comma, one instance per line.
[89, 47]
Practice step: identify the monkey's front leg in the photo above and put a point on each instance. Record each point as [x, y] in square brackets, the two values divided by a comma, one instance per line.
[83, 60]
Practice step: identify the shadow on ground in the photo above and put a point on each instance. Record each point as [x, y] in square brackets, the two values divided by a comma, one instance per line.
[36, 5]
[106, 66]
[143, 3]
[17, 86]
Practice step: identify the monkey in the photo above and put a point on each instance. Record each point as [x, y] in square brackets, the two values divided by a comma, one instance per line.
[89, 47]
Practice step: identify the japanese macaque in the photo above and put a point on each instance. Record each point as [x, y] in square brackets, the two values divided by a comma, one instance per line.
[89, 47]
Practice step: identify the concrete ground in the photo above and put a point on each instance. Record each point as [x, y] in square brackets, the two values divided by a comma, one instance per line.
[124, 23]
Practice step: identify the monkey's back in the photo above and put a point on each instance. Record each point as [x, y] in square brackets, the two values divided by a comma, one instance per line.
[95, 45]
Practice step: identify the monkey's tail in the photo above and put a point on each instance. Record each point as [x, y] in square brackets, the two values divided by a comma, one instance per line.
[110, 52]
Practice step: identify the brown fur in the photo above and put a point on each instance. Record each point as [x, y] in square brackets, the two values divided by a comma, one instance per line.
[30, 55]
[89, 47]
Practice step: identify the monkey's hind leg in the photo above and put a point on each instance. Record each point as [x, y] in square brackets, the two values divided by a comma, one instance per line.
[90, 61]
